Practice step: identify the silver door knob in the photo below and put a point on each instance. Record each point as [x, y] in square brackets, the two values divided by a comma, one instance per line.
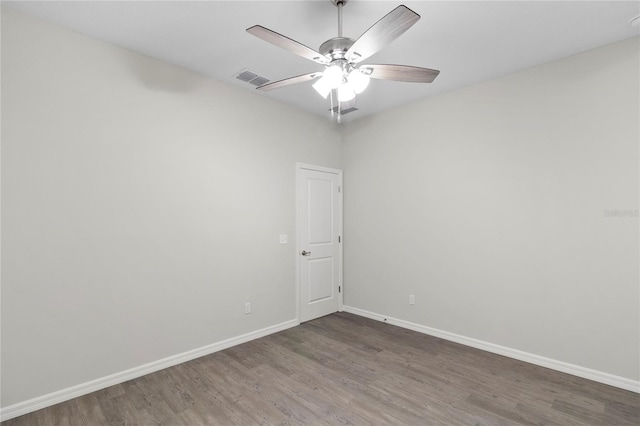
[305, 253]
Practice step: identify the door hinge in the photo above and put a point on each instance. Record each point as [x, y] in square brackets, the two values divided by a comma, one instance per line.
[339, 188]
[339, 239]
[339, 289]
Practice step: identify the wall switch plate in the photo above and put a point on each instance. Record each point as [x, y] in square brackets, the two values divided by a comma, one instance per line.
[247, 308]
[283, 239]
[412, 299]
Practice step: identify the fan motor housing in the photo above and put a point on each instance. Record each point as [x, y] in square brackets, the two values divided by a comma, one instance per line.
[336, 48]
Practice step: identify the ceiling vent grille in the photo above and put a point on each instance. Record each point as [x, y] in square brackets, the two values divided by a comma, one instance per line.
[251, 78]
[259, 81]
[344, 110]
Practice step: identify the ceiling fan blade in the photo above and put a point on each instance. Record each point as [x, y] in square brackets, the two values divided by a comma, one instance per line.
[287, 44]
[289, 81]
[405, 73]
[383, 32]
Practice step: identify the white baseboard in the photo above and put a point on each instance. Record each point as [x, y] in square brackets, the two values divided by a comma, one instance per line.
[576, 370]
[40, 402]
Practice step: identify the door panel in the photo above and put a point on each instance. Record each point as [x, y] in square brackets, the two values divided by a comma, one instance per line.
[320, 195]
[319, 253]
[321, 279]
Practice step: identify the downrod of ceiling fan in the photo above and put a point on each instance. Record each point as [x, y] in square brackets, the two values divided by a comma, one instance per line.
[339, 4]
[336, 48]
[340, 19]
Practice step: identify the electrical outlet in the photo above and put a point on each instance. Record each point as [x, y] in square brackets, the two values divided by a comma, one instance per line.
[247, 308]
[412, 299]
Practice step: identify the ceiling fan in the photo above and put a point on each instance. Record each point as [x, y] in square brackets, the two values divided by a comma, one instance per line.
[341, 57]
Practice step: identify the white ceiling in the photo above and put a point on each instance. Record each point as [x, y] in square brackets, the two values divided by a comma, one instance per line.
[468, 41]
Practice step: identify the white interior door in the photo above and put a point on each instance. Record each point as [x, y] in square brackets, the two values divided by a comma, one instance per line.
[319, 212]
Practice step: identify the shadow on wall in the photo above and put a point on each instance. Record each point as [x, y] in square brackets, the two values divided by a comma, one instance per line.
[166, 78]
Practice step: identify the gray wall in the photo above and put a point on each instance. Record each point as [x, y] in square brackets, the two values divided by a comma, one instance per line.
[489, 204]
[141, 207]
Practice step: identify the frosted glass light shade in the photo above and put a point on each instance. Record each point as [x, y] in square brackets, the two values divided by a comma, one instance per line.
[333, 76]
[345, 92]
[322, 87]
[358, 80]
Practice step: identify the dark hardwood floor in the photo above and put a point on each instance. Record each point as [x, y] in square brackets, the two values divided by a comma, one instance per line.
[344, 369]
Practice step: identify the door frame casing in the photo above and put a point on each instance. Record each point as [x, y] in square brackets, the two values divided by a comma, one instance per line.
[304, 166]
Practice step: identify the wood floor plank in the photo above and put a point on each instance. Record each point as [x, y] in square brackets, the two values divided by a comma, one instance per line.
[347, 370]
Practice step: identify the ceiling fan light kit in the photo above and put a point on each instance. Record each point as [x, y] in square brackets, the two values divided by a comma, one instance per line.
[322, 87]
[345, 93]
[341, 57]
[333, 76]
